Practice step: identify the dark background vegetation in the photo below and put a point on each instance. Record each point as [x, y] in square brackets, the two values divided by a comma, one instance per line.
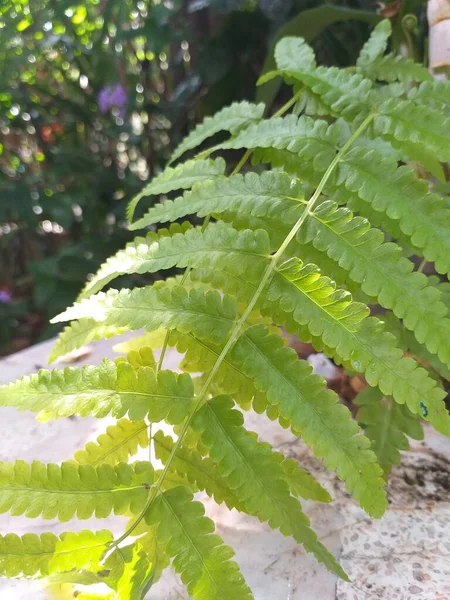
[95, 96]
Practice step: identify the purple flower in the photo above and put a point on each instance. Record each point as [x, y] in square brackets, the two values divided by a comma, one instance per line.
[112, 95]
[5, 297]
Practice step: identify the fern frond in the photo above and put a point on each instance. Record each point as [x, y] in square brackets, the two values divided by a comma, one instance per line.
[416, 128]
[312, 411]
[231, 118]
[200, 356]
[375, 46]
[346, 94]
[407, 341]
[394, 67]
[40, 555]
[116, 445]
[198, 470]
[387, 425]
[111, 388]
[366, 348]
[315, 142]
[194, 248]
[435, 94]
[123, 260]
[294, 53]
[132, 571]
[301, 483]
[256, 477]
[80, 333]
[422, 216]
[382, 273]
[143, 357]
[269, 194]
[199, 555]
[155, 549]
[63, 491]
[206, 314]
[181, 177]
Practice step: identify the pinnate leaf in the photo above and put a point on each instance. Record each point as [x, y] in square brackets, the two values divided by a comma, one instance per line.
[199, 555]
[256, 477]
[111, 388]
[63, 491]
[231, 118]
[181, 177]
[41, 555]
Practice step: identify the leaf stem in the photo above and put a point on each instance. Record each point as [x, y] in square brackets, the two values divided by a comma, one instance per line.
[287, 106]
[237, 328]
[422, 265]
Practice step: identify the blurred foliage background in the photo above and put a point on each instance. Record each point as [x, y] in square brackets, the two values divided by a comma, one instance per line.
[94, 97]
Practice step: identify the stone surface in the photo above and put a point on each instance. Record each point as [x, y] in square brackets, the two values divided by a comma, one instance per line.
[403, 556]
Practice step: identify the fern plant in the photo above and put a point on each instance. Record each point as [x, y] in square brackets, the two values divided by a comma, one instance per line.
[323, 226]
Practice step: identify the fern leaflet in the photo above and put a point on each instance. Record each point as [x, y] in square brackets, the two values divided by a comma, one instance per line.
[312, 411]
[387, 425]
[41, 555]
[199, 555]
[255, 475]
[232, 118]
[180, 178]
[63, 491]
[112, 388]
[116, 445]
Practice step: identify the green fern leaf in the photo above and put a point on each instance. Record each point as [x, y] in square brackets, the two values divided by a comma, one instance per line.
[375, 46]
[315, 142]
[111, 388]
[408, 343]
[132, 572]
[418, 126]
[301, 303]
[292, 53]
[231, 118]
[40, 555]
[202, 472]
[393, 67]
[382, 273]
[270, 194]
[387, 425]
[181, 177]
[155, 549]
[194, 248]
[302, 483]
[346, 94]
[435, 94]
[422, 217]
[199, 555]
[314, 412]
[292, 301]
[116, 445]
[256, 477]
[80, 333]
[200, 356]
[143, 357]
[124, 257]
[63, 491]
[205, 314]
